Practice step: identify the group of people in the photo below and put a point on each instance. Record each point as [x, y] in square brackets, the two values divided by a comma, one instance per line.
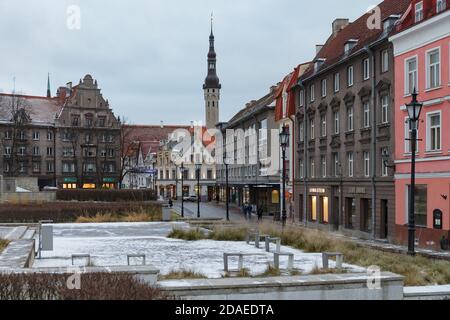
[248, 210]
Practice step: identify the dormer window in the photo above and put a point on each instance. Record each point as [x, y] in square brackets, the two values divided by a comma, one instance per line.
[419, 12]
[440, 6]
[349, 45]
[318, 64]
[389, 23]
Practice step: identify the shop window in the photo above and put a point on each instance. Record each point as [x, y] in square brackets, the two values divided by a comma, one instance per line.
[421, 202]
[314, 208]
[350, 212]
[366, 213]
[325, 212]
[69, 186]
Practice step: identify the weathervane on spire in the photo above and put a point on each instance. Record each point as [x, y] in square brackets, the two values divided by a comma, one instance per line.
[212, 20]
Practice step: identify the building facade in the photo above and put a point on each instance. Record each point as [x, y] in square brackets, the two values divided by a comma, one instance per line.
[345, 122]
[422, 45]
[69, 141]
[249, 143]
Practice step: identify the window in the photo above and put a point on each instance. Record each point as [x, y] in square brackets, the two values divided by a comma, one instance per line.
[89, 120]
[90, 167]
[408, 130]
[312, 128]
[350, 76]
[434, 132]
[102, 122]
[6, 167]
[385, 61]
[22, 151]
[421, 205]
[36, 167]
[336, 122]
[323, 166]
[384, 109]
[22, 167]
[366, 156]
[68, 152]
[8, 135]
[22, 135]
[8, 151]
[337, 84]
[302, 98]
[433, 69]
[49, 151]
[110, 152]
[350, 164]
[36, 135]
[68, 167]
[325, 214]
[411, 77]
[312, 168]
[301, 132]
[419, 12]
[313, 97]
[366, 119]
[49, 135]
[366, 215]
[336, 164]
[366, 69]
[384, 168]
[50, 167]
[323, 125]
[36, 151]
[301, 169]
[350, 121]
[75, 121]
[66, 136]
[440, 5]
[324, 88]
[88, 138]
[350, 206]
[313, 208]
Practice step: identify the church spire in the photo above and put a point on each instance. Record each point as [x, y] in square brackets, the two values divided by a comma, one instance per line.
[212, 80]
[49, 93]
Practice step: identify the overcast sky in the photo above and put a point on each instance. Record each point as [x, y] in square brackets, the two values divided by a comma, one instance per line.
[149, 56]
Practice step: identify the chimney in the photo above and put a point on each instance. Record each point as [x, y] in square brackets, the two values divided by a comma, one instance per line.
[339, 24]
[162, 124]
[318, 48]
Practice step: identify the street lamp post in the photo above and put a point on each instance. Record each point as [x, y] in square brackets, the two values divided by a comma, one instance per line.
[414, 109]
[182, 189]
[284, 142]
[198, 168]
[227, 196]
[176, 182]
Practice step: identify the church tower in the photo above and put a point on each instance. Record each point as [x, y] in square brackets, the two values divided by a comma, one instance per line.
[212, 86]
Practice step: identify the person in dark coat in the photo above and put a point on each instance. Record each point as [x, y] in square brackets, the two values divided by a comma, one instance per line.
[260, 213]
[170, 203]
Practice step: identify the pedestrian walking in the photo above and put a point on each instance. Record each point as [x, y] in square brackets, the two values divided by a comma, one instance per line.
[170, 203]
[260, 214]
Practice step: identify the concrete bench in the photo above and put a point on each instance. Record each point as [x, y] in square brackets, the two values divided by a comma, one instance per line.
[277, 241]
[276, 260]
[136, 256]
[326, 257]
[256, 237]
[240, 261]
[82, 256]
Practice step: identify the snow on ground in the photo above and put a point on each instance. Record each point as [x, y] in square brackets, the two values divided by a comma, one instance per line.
[108, 244]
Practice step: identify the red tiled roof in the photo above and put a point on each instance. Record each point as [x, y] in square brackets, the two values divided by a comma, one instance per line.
[429, 11]
[333, 50]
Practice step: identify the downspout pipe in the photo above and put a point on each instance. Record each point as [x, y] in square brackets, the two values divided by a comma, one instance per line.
[302, 86]
[373, 152]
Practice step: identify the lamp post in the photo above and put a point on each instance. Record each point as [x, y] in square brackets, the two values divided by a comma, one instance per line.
[176, 182]
[198, 168]
[284, 142]
[414, 109]
[227, 197]
[182, 189]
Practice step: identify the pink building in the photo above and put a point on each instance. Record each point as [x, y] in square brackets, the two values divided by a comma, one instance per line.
[421, 46]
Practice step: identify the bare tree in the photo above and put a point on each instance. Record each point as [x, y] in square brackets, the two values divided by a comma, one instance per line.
[126, 146]
[15, 137]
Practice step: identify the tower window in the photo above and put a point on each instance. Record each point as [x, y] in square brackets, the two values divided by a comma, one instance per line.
[213, 104]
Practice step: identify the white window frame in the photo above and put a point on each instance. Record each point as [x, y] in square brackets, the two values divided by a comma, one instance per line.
[418, 9]
[36, 135]
[408, 87]
[313, 168]
[351, 119]
[336, 164]
[350, 164]
[301, 169]
[407, 132]
[366, 69]
[429, 131]
[337, 122]
[428, 67]
[337, 82]
[312, 92]
[350, 76]
[302, 98]
[301, 132]
[8, 150]
[323, 166]
[324, 87]
[323, 125]
[385, 60]
[441, 5]
[384, 168]
[312, 129]
[385, 109]
[366, 115]
[366, 161]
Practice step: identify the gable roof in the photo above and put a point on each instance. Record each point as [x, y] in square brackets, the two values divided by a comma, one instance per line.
[333, 50]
